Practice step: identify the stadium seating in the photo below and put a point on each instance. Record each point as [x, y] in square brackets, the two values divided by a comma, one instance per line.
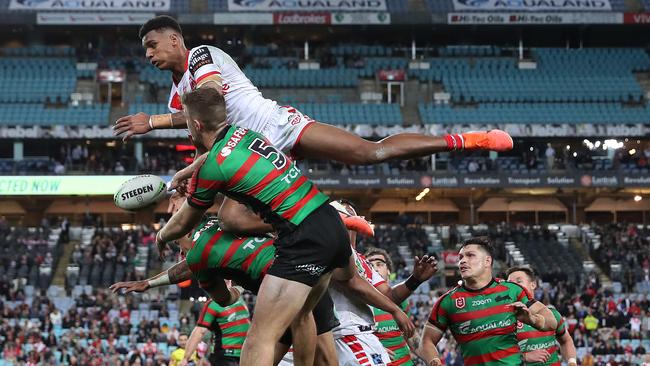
[37, 79]
[352, 113]
[556, 113]
[562, 75]
[40, 115]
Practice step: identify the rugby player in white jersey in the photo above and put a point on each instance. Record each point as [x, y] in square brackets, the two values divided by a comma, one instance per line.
[355, 341]
[285, 127]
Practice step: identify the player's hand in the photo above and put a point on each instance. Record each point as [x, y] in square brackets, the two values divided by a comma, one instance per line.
[161, 247]
[424, 268]
[134, 124]
[130, 286]
[404, 323]
[183, 362]
[179, 183]
[522, 312]
[538, 355]
[435, 362]
[176, 202]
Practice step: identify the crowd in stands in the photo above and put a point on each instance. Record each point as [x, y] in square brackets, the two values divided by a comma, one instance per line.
[84, 324]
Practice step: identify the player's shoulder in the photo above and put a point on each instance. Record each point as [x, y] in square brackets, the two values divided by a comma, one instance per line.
[449, 294]
[203, 55]
[204, 48]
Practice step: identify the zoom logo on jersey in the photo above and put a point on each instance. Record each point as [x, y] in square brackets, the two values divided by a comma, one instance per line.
[199, 58]
[137, 192]
[481, 302]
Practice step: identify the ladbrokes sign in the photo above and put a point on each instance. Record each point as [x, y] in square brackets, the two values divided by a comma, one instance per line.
[306, 5]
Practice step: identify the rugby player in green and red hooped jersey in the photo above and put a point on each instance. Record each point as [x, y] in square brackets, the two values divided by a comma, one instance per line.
[482, 312]
[312, 240]
[228, 325]
[538, 347]
[386, 328]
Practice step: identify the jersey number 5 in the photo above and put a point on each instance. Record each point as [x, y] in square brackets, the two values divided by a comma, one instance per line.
[260, 147]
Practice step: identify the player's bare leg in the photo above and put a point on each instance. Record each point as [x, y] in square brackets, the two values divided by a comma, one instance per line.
[279, 301]
[304, 328]
[323, 141]
[326, 350]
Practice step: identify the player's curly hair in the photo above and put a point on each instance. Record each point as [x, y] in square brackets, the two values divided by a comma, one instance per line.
[159, 22]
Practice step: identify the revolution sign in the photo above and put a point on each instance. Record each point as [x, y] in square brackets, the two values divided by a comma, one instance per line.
[533, 5]
[306, 5]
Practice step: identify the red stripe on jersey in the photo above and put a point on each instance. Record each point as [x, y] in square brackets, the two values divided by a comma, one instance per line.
[266, 268]
[266, 180]
[235, 323]
[490, 291]
[401, 361]
[438, 309]
[552, 349]
[300, 204]
[205, 255]
[534, 334]
[392, 348]
[389, 335]
[382, 317]
[203, 324]
[233, 335]
[490, 357]
[352, 343]
[212, 312]
[465, 338]
[205, 308]
[231, 251]
[231, 310]
[247, 263]
[198, 81]
[208, 184]
[243, 169]
[231, 346]
[477, 314]
[277, 201]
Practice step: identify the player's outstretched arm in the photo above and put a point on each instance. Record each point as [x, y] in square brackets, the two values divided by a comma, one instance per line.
[537, 315]
[423, 269]
[430, 338]
[567, 348]
[180, 224]
[177, 273]
[192, 343]
[141, 123]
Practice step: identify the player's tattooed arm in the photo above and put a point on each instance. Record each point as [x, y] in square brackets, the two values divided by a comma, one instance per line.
[179, 272]
[180, 224]
[428, 345]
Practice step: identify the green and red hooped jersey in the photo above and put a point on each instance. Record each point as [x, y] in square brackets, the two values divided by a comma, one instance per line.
[229, 326]
[531, 339]
[243, 165]
[482, 322]
[244, 260]
[391, 337]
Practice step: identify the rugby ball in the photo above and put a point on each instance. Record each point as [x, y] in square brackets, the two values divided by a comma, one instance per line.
[139, 192]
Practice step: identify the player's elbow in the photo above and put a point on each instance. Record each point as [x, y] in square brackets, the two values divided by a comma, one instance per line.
[367, 153]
